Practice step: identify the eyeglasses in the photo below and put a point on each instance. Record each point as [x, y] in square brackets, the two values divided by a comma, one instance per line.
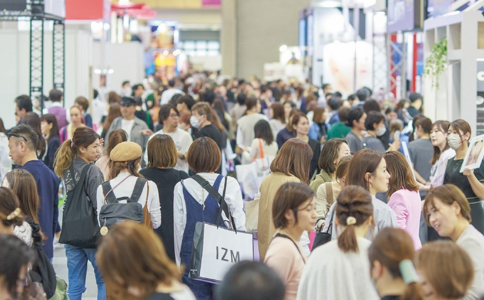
[126, 104]
[173, 116]
[17, 136]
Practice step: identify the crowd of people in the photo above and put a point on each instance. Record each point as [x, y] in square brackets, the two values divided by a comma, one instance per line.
[361, 199]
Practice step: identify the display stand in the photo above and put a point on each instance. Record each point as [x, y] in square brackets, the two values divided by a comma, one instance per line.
[455, 97]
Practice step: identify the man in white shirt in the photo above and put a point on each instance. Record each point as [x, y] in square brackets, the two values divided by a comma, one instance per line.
[168, 116]
[170, 92]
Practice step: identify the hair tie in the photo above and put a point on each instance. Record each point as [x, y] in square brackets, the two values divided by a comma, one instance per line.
[408, 272]
[350, 221]
[14, 214]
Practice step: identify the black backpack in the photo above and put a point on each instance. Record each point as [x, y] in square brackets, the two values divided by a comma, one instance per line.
[114, 212]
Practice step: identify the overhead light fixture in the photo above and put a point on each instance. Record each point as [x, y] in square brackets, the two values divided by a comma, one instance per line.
[283, 48]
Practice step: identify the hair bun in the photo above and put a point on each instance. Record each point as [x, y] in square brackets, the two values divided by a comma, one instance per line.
[350, 221]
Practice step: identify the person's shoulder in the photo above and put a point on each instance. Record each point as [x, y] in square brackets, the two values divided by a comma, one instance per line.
[140, 122]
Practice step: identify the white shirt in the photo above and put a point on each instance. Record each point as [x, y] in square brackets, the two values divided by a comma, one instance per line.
[182, 140]
[254, 151]
[127, 125]
[126, 190]
[437, 173]
[168, 94]
[245, 129]
[233, 197]
[331, 274]
[472, 241]
[5, 160]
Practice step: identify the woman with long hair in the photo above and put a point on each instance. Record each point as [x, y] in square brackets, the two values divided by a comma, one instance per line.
[11, 215]
[202, 118]
[192, 204]
[469, 181]
[391, 268]
[403, 194]
[152, 275]
[277, 118]
[67, 132]
[33, 120]
[290, 165]
[340, 269]
[293, 212]
[162, 158]
[116, 137]
[368, 169]
[263, 143]
[75, 158]
[50, 130]
[123, 179]
[447, 210]
[333, 151]
[114, 112]
[300, 124]
[445, 271]
[442, 152]
[287, 132]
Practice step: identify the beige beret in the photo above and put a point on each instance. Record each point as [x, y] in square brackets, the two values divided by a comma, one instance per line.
[126, 151]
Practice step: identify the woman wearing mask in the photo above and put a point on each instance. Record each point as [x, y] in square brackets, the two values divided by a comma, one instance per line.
[331, 154]
[391, 267]
[300, 124]
[470, 181]
[278, 120]
[115, 137]
[202, 117]
[444, 271]
[369, 171]
[151, 276]
[15, 259]
[192, 204]
[447, 210]
[67, 132]
[50, 130]
[340, 269]
[293, 213]
[403, 194]
[329, 191]
[74, 159]
[290, 165]
[356, 121]
[162, 158]
[246, 124]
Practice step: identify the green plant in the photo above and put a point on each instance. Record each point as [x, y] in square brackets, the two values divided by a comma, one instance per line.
[436, 63]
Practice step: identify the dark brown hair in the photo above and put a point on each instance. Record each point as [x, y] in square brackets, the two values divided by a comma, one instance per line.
[293, 158]
[461, 126]
[425, 123]
[443, 126]
[278, 112]
[329, 155]
[33, 120]
[146, 272]
[364, 161]
[115, 137]
[204, 155]
[447, 194]
[162, 152]
[296, 118]
[289, 197]
[8, 204]
[390, 247]
[82, 137]
[54, 131]
[291, 114]
[353, 201]
[401, 175]
[447, 267]
[113, 113]
[83, 102]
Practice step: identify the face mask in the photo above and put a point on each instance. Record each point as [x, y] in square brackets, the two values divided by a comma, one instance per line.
[454, 141]
[194, 122]
[381, 131]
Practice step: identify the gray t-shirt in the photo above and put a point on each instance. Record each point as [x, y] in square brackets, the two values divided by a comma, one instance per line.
[421, 152]
[374, 144]
[354, 142]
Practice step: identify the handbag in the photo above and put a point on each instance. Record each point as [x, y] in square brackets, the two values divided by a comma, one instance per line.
[252, 175]
[79, 225]
[325, 237]
[217, 249]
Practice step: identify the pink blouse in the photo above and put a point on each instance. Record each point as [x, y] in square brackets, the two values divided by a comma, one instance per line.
[407, 206]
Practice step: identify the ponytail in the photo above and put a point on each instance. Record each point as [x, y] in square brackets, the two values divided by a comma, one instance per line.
[63, 158]
[347, 239]
[413, 291]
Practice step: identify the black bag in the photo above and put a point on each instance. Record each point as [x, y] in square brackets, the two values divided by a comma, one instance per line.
[324, 237]
[79, 225]
[43, 271]
[114, 212]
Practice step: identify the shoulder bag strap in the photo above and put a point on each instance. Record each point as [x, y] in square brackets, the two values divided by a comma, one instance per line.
[329, 193]
[286, 237]
[330, 226]
[261, 150]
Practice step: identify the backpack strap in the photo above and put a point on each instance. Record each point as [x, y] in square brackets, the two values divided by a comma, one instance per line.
[138, 189]
[108, 195]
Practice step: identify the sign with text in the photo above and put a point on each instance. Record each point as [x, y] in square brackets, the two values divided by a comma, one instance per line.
[480, 98]
[405, 15]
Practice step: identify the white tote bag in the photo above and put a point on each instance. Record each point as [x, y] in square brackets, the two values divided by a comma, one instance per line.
[216, 250]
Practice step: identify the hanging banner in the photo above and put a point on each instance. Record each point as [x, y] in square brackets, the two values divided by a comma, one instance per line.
[480, 98]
